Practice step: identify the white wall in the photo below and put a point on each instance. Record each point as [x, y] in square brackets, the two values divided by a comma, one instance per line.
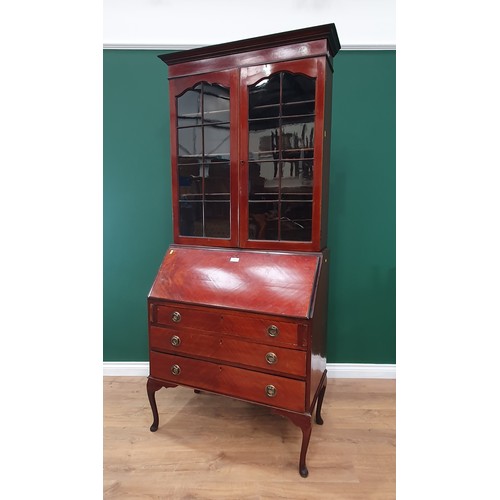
[181, 24]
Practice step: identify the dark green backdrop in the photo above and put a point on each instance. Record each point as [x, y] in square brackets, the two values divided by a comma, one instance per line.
[137, 199]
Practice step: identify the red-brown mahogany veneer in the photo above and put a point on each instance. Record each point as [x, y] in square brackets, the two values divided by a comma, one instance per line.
[239, 304]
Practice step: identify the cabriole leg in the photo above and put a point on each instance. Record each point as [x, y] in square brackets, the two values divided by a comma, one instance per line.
[304, 421]
[321, 395]
[306, 436]
[152, 386]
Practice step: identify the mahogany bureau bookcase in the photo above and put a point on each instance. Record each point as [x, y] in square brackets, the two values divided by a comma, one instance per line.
[239, 304]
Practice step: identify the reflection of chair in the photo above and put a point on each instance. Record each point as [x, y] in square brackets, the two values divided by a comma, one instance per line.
[257, 216]
[217, 181]
[307, 164]
[189, 171]
[275, 150]
[298, 151]
[291, 152]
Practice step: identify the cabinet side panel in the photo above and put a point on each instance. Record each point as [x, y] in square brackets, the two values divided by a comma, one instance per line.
[319, 328]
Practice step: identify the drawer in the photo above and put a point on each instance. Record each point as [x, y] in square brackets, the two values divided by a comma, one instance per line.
[240, 383]
[229, 349]
[175, 316]
[263, 329]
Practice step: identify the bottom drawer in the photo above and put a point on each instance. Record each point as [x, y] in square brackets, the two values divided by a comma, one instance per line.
[237, 382]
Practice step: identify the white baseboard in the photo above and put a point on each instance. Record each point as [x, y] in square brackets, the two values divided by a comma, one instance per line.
[335, 370]
[361, 370]
[125, 368]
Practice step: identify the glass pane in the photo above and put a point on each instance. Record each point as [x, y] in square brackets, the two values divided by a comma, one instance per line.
[203, 161]
[296, 221]
[217, 181]
[298, 108]
[215, 103]
[263, 139]
[297, 141]
[217, 219]
[281, 141]
[263, 220]
[190, 142]
[263, 183]
[190, 217]
[189, 107]
[264, 98]
[188, 121]
[216, 141]
[189, 179]
[298, 94]
[296, 195]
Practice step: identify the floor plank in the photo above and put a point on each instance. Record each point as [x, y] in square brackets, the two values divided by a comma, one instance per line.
[212, 447]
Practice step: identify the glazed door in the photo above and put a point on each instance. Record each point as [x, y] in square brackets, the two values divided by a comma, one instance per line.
[281, 117]
[204, 143]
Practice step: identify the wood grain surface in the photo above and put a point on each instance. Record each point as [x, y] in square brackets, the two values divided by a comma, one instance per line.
[264, 282]
[213, 447]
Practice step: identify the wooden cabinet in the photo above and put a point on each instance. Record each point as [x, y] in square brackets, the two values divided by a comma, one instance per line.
[239, 304]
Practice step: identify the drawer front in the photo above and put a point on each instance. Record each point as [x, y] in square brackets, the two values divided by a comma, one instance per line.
[237, 382]
[229, 349]
[174, 316]
[263, 329]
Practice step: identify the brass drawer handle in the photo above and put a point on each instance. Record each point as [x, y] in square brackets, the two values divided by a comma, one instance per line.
[273, 331]
[271, 358]
[176, 317]
[175, 340]
[176, 369]
[271, 391]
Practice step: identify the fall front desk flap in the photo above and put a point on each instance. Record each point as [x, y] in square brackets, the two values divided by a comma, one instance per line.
[262, 281]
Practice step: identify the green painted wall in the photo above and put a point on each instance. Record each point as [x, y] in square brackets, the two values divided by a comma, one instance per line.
[362, 236]
[137, 199]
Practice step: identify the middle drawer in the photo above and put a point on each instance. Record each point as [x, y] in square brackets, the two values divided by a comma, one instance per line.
[223, 348]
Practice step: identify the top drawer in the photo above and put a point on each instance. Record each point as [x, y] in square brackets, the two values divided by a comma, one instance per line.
[252, 326]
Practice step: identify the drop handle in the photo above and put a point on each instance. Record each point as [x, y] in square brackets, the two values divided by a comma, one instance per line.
[176, 317]
[176, 369]
[175, 340]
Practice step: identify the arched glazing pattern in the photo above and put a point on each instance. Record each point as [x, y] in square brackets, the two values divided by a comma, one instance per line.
[280, 157]
[203, 148]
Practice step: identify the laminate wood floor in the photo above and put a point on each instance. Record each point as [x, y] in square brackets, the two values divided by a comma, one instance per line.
[212, 447]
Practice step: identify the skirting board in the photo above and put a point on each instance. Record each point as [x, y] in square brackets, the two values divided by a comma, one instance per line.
[335, 370]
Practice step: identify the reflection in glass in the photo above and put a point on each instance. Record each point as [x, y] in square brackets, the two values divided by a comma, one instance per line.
[203, 154]
[262, 183]
[217, 181]
[190, 217]
[295, 221]
[264, 98]
[190, 142]
[298, 94]
[216, 141]
[263, 137]
[189, 107]
[217, 219]
[281, 146]
[262, 224]
[215, 104]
